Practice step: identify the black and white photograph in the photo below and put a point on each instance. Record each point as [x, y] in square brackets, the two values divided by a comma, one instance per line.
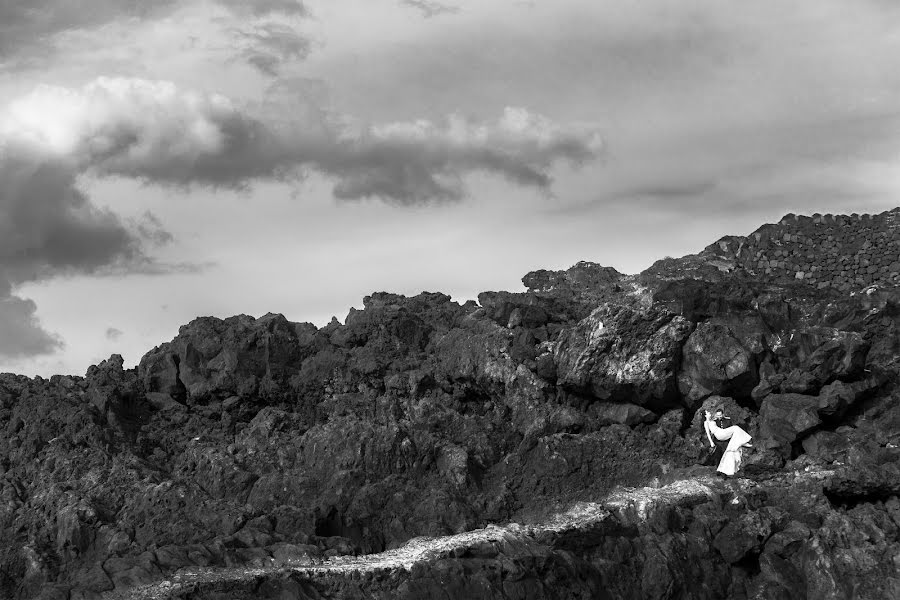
[449, 299]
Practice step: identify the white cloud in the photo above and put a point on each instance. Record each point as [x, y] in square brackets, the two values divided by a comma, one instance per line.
[157, 132]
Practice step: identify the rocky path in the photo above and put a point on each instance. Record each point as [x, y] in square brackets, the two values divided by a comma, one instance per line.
[634, 505]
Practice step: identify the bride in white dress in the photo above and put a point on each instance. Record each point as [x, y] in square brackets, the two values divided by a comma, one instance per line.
[737, 439]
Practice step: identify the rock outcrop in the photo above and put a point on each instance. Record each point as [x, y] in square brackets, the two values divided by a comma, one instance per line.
[246, 443]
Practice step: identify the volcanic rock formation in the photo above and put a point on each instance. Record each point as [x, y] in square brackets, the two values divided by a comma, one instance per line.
[251, 443]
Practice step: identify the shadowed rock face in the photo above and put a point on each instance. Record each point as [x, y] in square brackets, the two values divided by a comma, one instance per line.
[246, 441]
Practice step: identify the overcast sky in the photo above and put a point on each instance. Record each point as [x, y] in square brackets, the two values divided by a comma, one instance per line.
[161, 161]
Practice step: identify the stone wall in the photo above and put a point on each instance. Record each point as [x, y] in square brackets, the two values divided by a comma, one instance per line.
[846, 252]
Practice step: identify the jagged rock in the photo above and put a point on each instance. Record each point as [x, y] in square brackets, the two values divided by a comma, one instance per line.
[828, 446]
[624, 354]
[720, 358]
[748, 532]
[842, 358]
[782, 576]
[700, 299]
[126, 573]
[866, 483]
[586, 283]
[835, 399]
[92, 581]
[513, 310]
[608, 413]
[159, 372]
[800, 382]
[74, 531]
[239, 356]
[785, 418]
[286, 554]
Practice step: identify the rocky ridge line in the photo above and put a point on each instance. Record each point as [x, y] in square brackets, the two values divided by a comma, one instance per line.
[844, 252]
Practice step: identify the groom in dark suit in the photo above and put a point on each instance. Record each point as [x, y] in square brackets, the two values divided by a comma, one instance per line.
[723, 422]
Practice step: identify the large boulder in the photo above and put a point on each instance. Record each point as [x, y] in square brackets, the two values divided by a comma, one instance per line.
[827, 446]
[721, 357]
[748, 533]
[219, 358]
[785, 418]
[837, 398]
[840, 358]
[622, 353]
[514, 310]
[623, 413]
[868, 482]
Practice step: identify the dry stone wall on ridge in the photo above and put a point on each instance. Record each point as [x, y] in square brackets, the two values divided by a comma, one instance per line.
[845, 252]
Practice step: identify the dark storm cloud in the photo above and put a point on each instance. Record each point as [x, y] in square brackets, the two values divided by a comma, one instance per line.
[48, 227]
[21, 335]
[430, 8]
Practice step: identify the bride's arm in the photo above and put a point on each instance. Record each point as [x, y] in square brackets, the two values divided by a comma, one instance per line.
[708, 434]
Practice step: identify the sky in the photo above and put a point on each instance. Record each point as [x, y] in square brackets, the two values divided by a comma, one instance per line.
[167, 160]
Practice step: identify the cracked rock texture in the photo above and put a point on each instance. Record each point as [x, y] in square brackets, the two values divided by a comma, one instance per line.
[248, 442]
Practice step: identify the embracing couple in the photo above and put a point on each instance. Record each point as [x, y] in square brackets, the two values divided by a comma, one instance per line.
[720, 429]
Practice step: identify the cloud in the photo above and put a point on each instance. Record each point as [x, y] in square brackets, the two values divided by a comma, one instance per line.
[141, 129]
[152, 230]
[28, 27]
[21, 335]
[420, 161]
[269, 46]
[259, 8]
[48, 226]
[430, 8]
[670, 190]
[27, 23]
[155, 132]
[113, 334]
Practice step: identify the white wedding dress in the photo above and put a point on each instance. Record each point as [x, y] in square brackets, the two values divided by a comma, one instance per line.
[737, 437]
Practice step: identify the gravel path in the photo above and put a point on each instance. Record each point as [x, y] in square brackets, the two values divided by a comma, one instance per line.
[635, 504]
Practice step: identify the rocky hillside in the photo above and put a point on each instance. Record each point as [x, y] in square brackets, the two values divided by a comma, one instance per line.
[251, 443]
